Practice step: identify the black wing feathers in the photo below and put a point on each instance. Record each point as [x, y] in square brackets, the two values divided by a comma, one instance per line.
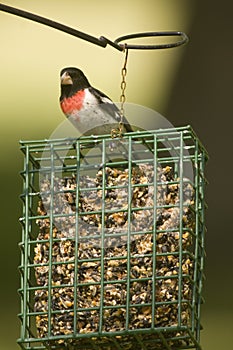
[109, 107]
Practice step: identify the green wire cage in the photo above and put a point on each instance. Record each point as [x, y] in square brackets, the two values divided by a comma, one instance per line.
[112, 247]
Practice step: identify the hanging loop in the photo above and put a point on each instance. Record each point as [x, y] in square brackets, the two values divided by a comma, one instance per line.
[183, 39]
[102, 41]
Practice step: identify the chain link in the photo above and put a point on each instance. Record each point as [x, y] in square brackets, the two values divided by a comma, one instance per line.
[118, 132]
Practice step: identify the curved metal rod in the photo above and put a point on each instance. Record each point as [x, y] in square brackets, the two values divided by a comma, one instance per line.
[183, 36]
[53, 24]
[102, 41]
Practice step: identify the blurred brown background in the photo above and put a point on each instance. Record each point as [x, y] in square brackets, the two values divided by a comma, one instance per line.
[188, 85]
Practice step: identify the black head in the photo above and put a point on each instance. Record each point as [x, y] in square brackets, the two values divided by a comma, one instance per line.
[72, 80]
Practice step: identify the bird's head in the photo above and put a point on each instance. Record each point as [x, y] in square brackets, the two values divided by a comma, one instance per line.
[72, 80]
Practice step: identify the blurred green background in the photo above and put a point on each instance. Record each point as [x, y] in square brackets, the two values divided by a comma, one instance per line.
[188, 85]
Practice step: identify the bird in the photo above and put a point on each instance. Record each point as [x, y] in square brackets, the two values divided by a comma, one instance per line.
[87, 108]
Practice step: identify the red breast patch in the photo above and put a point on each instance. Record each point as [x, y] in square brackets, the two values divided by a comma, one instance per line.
[73, 103]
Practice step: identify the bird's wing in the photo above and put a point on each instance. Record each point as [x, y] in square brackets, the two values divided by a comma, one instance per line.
[106, 104]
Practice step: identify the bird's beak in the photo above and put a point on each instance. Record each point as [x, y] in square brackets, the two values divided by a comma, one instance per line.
[66, 79]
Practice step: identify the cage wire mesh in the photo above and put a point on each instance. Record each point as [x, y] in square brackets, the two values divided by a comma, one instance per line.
[113, 242]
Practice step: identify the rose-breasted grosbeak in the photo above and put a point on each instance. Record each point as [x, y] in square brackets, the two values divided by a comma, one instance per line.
[89, 110]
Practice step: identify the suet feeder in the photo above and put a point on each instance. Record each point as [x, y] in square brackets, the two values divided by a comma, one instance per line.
[112, 247]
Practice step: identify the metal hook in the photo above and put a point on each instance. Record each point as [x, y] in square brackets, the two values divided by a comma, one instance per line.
[102, 41]
[184, 40]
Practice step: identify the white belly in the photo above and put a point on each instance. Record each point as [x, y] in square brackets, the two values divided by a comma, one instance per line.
[92, 120]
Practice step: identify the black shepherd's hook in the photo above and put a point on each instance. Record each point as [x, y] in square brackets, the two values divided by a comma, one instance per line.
[102, 41]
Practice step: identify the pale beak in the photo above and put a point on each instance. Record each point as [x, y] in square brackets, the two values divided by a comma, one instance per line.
[66, 79]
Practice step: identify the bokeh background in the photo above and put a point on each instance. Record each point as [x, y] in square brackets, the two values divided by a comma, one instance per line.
[188, 85]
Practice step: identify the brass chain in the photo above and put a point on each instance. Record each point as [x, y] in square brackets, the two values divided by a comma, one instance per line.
[118, 132]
